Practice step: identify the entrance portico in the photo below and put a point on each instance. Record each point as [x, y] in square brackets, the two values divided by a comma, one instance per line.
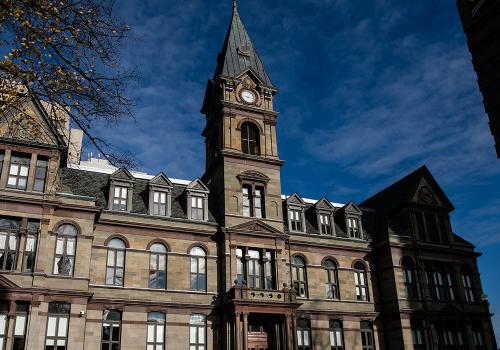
[258, 319]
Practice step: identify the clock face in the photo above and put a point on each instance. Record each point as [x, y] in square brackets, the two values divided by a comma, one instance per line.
[248, 96]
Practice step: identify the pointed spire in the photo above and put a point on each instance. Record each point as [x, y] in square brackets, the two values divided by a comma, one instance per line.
[238, 53]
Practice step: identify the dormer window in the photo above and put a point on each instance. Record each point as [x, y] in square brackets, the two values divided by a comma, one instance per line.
[325, 224]
[120, 190]
[295, 207]
[353, 228]
[159, 203]
[197, 208]
[120, 198]
[160, 195]
[197, 201]
[18, 172]
[295, 220]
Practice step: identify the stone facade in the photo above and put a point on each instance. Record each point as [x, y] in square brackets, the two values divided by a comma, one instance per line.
[115, 259]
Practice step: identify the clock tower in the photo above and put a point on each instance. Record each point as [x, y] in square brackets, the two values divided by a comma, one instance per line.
[242, 163]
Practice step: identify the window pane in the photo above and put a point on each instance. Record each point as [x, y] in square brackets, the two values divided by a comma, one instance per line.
[51, 327]
[70, 246]
[23, 170]
[20, 325]
[151, 333]
[120, 258]
[192, 335]
[12, 242]
[63, 323]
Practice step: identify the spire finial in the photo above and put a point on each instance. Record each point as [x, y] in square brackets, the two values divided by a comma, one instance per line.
[235, 5]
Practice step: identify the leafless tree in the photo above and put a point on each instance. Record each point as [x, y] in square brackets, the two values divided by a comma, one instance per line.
[66, 54]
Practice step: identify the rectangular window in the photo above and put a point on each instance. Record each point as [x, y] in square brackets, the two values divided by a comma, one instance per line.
[443, 228]
[258, 205]
[159, 203]
[295, 220]
[30, 252]
[197, 332]
[468, 290]
[8, 249]
[20, 323]
[353, 228]
[303, 335]
[18, 172]
[432, 229]
[120, 198]
[269, 273]
[367, 341]
[409, 282]
[197, 208]
[325, 224]
[336, 335]
[40, 174]
[477, 339]
[156, 331]
[57, 326]
[421, 226]
[4, 308]
[437, 279]
[417, 336]
[240, 273]
[246, 201]
[254, 269]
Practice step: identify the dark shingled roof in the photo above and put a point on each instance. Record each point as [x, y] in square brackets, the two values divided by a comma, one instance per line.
[400, 192]
[238, 54]
[93, 184]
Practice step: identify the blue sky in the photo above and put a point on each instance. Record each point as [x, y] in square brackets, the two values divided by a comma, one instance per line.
[366, 94]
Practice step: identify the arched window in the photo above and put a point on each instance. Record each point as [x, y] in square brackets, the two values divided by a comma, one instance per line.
[158, 266]
[64, 260]
[331, 282]
[360, 281]
[111, 329]
[156, 331]
[57, 326]
[197, 332]
[468, 284]
[409, 279]
[198, 269]
[250, 139]
[299, 276]
[115, 265]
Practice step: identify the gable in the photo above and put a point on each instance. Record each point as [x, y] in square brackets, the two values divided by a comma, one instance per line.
[324, 203]
[161, 180]
[255, 226]
[122, 174]
[295, 199]
[352, 208]
[197, 185]
[29, 122]
[427, 192]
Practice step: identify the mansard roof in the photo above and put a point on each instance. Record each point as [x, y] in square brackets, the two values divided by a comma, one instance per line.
[403, 192]
[96, 185]
[238, 55]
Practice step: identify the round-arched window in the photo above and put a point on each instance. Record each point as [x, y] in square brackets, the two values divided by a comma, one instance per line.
[158, 266]
[64, 259]
[250, 143]
[331, 284]
[299, 276]
[115, 263]
[198, 270]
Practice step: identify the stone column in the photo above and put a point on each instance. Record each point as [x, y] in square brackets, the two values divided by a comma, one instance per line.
[295, 346]
[289, 332]
[5, 170]
[9, 335]
[31, 173]
[237, 330]
[245, 330]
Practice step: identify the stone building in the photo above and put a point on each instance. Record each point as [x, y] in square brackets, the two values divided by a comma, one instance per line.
[481, 24]
[95, 257]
